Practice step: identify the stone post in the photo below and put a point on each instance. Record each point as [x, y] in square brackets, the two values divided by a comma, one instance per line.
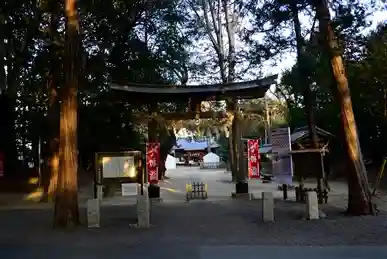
[267, 207]
[93, 213]
[312, 211]
[143, 211]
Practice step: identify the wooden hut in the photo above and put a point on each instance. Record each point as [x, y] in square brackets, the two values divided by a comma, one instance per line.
[311, 162]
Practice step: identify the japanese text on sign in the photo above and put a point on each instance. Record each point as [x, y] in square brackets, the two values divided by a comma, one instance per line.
[253, 158]
[152, 161]
[1, 164]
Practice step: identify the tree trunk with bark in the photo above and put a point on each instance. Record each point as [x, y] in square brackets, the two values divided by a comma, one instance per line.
[214, 15]
[359, 193]
[3, 78]
[7, 114]
[235, 137]
[66, 202]
[50, 173]
[302, 75]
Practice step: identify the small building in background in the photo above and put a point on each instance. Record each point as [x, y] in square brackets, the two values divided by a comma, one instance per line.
[211, 160]
[188, 151]
[300, 140]
[170, 162]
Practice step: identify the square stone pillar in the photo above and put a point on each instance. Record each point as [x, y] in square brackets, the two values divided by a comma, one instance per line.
[143, 211]
[312, 211]
[267, 207]
[93, 213]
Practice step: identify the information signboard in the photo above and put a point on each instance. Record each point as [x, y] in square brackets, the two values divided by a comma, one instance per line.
[118, 167]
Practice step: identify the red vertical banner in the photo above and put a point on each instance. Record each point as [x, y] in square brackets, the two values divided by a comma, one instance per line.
[253, 158]
[153, 161]
[2, 162]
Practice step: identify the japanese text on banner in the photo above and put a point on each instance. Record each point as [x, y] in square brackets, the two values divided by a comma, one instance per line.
[253, 158]
[1, 164]
[152, 161]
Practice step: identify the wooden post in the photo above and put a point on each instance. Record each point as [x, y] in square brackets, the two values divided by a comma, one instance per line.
[231, 138]
[241, 185]
[285, 191]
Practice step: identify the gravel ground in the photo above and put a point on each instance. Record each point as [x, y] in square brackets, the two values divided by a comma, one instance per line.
[219, 227]
[232, 222]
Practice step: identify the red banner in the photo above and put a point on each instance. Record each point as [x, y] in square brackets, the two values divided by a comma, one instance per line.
[253, 158]
[152, 162]
[2, 164]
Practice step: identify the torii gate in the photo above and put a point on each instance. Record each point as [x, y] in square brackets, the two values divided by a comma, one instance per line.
[193, 95]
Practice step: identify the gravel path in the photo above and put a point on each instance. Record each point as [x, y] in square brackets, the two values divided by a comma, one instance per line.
[217, 228]
[232, 222]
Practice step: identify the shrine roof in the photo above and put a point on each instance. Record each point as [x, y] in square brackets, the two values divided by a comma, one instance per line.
[191, 145]
[247, 89]
[302, 132]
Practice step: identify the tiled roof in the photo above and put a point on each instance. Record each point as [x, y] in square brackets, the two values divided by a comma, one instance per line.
[301, 132]
[298, 135]
[192, 145]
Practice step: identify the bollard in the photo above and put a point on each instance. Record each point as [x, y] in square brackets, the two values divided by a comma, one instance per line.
[143, 211]
[93, 215]
[267, 207]
[312, 211]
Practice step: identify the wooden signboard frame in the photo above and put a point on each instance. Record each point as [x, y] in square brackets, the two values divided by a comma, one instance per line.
[100, 180]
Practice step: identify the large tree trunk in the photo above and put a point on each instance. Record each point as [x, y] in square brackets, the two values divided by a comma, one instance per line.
[8, 137]
[359, 194]
[7, 114]
[66, 202]
[3, 79]
[52, 171]
[234, 139]
[50, 174]
[303, 74]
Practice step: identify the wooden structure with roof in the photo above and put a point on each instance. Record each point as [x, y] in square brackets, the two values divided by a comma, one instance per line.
[237, 90]
[193, 95]
[309, 162]
[301, 139]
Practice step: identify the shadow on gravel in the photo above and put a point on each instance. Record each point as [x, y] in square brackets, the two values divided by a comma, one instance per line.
[201, 222]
